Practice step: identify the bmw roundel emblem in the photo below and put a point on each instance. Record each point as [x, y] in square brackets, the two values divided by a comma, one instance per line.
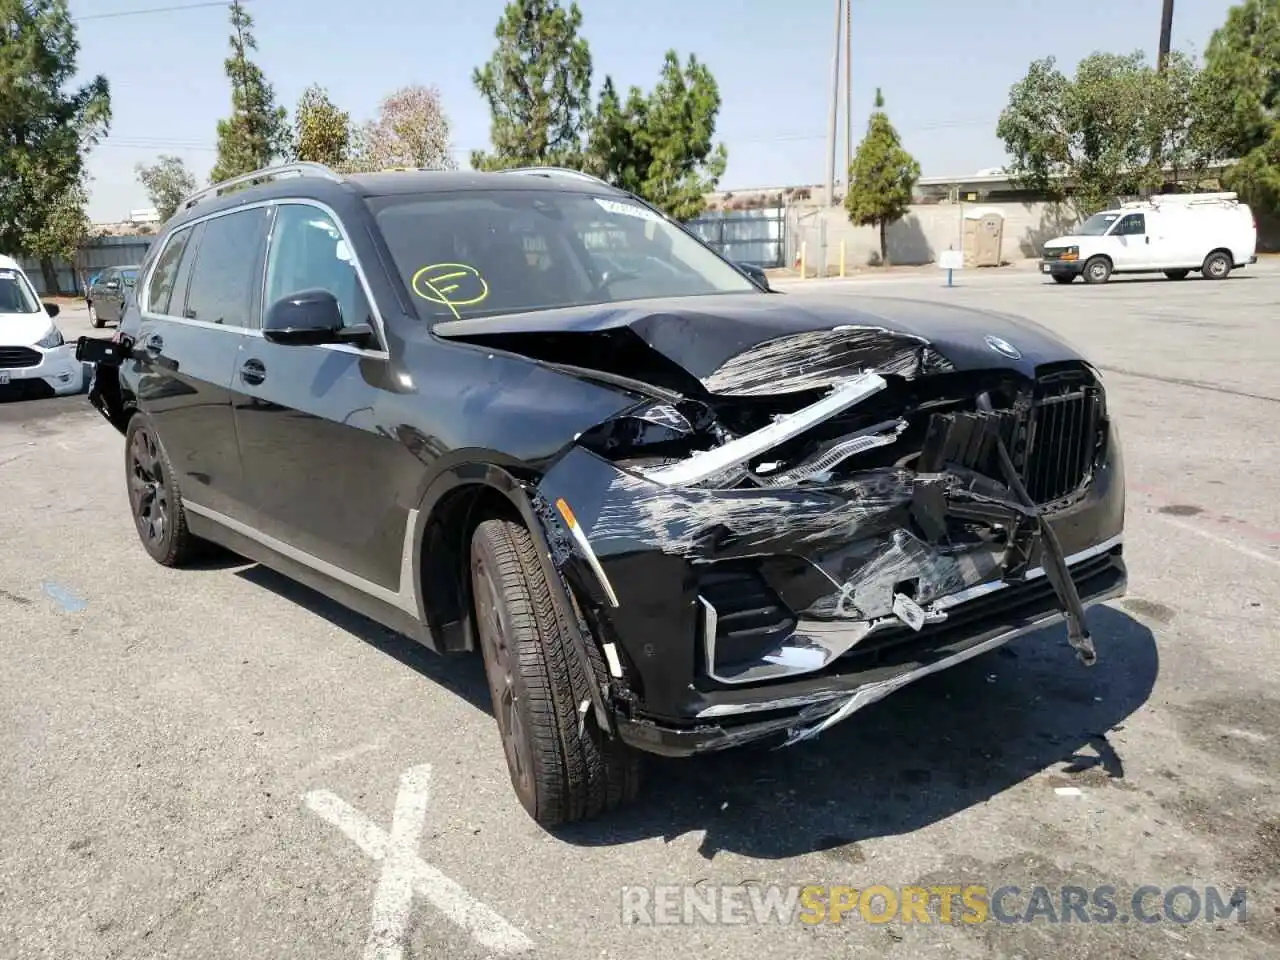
[1003, 347]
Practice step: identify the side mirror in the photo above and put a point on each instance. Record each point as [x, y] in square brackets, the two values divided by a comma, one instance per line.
[311, 318]
[52, 309]
[756, 275]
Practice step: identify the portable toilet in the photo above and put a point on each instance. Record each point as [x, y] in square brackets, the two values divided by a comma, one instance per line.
[983, 237]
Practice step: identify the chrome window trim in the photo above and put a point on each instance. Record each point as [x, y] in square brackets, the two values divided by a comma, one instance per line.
[379, 325]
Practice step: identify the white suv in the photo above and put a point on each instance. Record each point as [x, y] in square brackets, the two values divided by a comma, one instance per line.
[34, 359]
[1175, 234]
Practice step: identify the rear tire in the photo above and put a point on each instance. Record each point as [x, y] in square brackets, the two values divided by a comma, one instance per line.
[154, 499]
[94, 319]
[1063, 277]
[1097, 270]
[1217, 266]
[537, 686]
[1177, 274]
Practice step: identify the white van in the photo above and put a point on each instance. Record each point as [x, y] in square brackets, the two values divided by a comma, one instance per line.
[1172, 234]
[35, 361]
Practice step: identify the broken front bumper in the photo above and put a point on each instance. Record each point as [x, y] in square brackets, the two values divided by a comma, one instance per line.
[728, 616]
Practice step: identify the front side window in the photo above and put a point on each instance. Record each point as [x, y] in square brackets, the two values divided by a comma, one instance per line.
[129, 277]
[511, 251]
[227, 269]
[308, 253]
[1134, 225]
[1096, 225]
[16, 295]
[160, 293]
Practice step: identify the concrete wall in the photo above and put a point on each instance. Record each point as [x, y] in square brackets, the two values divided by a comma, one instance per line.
[97, 254]
[919, 237]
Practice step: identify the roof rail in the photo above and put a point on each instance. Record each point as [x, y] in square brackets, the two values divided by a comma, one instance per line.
[557, 172]
[300, 168]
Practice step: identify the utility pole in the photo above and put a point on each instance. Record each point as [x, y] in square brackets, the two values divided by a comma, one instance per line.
[1166, 35]
[835, 107]
[848, 91]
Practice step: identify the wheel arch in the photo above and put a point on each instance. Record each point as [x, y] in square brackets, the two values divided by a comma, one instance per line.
[455, 502]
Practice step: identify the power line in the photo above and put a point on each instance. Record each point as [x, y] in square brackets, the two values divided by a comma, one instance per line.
[174, 8]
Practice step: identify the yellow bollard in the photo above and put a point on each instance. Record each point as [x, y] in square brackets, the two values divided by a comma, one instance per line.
[804, 249]
[842, 258]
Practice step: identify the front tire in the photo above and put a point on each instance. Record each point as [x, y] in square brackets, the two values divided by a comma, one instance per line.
[1177, 274]
[537, 686]
[1063, 277]
[1097, 270]
[1217, 266]
[154, 499]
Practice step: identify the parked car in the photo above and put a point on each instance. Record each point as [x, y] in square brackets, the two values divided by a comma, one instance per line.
[1213, 233]
[35, 361]
[674, 512]
[108, 293]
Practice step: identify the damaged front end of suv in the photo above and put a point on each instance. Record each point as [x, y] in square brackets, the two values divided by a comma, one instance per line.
[807, 516]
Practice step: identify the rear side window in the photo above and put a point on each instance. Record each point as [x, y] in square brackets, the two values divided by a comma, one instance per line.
[166, 271]
[227, 268]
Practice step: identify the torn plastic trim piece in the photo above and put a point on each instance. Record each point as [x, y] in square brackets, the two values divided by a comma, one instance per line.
[827, 460]
[709, 463]
[1055, 565]
[873, 692]
[935, 611]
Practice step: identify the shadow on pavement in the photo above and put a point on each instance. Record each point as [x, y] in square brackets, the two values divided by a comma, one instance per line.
[939, 746]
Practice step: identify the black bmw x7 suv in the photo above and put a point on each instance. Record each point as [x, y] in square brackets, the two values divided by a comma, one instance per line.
[526, 413]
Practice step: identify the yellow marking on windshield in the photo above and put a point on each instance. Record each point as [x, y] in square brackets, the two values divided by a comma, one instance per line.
[427, 285]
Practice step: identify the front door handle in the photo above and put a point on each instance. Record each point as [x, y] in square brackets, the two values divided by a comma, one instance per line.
[154, 344]
[253, 372]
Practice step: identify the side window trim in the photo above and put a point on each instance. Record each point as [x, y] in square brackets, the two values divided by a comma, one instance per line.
[256, 311]
[379, 328]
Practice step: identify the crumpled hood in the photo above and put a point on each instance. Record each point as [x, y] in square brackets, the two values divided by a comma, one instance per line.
[23, 329]
[754, 344]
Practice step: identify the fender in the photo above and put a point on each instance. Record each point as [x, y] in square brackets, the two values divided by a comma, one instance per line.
[516, 492]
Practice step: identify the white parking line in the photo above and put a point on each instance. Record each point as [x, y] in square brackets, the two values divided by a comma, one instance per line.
[1217, 538]
[405, 874]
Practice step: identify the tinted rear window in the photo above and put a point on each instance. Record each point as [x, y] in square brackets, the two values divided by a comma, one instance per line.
[227, 269]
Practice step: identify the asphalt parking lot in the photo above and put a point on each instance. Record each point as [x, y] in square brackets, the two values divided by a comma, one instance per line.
[219, 763]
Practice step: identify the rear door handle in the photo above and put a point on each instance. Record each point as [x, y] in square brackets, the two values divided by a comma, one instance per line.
[253, 372]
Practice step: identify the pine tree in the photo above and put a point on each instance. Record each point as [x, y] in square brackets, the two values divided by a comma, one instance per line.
[881, 178]
[256, 133]
[538, 86]
[322, 131]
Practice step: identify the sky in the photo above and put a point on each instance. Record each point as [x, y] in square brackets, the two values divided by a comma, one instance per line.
[945, 67]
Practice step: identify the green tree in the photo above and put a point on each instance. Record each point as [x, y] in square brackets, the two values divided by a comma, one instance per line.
[63, 232]
[256, 133]
[660, 146]
[881, 179]
[167, 182]
[538, 87]
[1242, 99]
[322, 132]
[46, 126]
[1119, 127]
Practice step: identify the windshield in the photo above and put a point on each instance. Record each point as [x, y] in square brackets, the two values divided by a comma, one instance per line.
[512, 251]
[1097, 225]
[16, 295]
